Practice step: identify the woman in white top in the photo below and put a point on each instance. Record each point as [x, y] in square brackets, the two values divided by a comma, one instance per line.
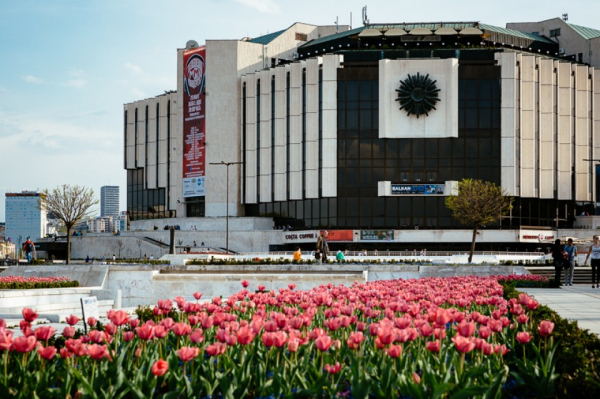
[595, 252]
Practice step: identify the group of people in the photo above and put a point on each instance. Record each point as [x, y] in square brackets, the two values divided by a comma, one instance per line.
[564, 258]
[321, 250]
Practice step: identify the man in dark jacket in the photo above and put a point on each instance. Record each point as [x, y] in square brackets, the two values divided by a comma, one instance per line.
[559, 260]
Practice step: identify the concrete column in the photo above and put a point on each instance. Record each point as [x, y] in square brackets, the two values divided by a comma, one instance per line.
[251, 139]
[564, 101]
[508, 173]
[547, 129]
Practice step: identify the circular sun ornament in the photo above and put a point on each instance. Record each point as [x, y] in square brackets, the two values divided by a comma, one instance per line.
[418, 94]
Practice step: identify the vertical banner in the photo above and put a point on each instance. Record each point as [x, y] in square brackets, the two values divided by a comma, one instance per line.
[194, 107]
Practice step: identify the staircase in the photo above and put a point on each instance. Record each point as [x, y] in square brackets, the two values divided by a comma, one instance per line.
[581, 275]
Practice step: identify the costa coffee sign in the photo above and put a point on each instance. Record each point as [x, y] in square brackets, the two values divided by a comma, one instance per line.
[537, 237]
[301, 236]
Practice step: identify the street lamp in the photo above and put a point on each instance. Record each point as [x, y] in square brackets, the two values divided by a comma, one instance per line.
[228, 164]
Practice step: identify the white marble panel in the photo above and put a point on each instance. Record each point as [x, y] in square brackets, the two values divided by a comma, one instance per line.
[564, 156]
[329, 182]
[329, 153]
[329, 95]
[331, 63]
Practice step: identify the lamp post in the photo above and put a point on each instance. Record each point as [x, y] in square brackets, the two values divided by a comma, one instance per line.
[227, 164]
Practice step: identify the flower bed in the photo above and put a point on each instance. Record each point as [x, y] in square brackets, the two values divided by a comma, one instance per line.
[27, 283]
[432, 337]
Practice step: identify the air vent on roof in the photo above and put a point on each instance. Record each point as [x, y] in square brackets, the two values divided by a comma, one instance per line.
[296, 56]
[561, 51]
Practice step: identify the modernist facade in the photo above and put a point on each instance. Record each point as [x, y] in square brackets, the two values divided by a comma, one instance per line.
[109, 201]
[23, 217]
[371, 128]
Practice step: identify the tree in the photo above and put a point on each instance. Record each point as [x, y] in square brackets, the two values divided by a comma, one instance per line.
[478, 203]
[70, 204]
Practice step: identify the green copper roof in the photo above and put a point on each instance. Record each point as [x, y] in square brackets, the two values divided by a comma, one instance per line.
[268, 38]
[586, 33]
[516, 33]
[431, 26]
[335, 36]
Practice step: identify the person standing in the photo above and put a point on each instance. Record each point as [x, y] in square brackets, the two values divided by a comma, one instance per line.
[322, 246]
[339, 256]
[298, 254]
[571, 251]
[29, 248]
[594, 250]
[559, 260]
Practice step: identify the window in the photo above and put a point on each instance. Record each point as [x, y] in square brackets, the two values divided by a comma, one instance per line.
[554, 32]
[535, 33]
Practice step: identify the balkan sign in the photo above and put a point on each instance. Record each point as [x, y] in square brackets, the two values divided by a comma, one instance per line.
[194, 112]
[417, 189]
[377, 235]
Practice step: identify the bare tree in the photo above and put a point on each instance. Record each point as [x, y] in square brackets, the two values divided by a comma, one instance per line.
[478, 203]
[70, 204]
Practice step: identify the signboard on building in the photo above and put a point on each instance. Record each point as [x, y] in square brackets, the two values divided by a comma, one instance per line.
[340, 235]
[194, 112]
[417, 189]
[537, 236]
[377, 235]
[301, 236]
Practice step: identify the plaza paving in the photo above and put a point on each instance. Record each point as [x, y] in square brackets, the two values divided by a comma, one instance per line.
[580, 303]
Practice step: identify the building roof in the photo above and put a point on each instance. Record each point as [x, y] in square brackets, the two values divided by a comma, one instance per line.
[586, 33]
[268, 38]
[335, 36]
[514, 32]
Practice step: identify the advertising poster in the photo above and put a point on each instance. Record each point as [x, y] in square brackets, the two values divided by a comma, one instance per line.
[376, 235]
[340, 235]
[418, 189]
[194, 107]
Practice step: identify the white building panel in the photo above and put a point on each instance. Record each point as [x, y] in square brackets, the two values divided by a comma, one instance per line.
[546, 129]
[265, 136]
[296, 180]
[564, 130]
[527, 127]
[582, 134]
[508, 163]
[331, 63]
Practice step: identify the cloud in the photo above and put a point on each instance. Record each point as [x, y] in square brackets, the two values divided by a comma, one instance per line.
[32, 79]
[76, 83]
[133, 68]
[266, 6]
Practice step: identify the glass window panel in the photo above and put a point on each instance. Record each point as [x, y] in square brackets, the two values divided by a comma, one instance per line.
[352, 105]
[341, 119]
[378, 175]
[365, 178]
[391, 174]
[341, 177]
[471, 118]
[315, 203]
[365, 90]
[341, 86]
[485, 88]
[351, 177]
[470, 89]
[391, 148]
[341, 148]
[366, 148]
[485, 118]
[458, 148]
[431, 147]
[352, 148]
[352, 206]
[352, 120]
[404, 148]
[365, 119]
[418, 148]
[378, 148]
[485, 148]
[352, 90]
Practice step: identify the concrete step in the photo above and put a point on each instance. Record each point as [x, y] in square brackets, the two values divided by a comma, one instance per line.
[38, 297]
[57, 307]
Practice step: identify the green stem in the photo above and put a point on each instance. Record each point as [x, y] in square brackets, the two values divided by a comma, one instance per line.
[6, 368]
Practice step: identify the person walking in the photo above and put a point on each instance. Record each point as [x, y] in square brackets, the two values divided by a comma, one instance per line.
[29, 248]
[571, 251]
[322, 246]
[559, 260]
[298, 254]
[594, 251]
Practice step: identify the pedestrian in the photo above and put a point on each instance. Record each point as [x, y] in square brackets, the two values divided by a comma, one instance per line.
[151, 257]
[87, 259]
[559, 260]
[145, 257]
[114, 257]
[298, 254]
[29, 248]
[195, 245]
[339, 256]
[322, 246]
[594, 250]
[571, 254]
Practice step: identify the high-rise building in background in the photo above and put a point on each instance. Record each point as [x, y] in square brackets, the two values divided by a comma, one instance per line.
[23, 217]
[109, 201]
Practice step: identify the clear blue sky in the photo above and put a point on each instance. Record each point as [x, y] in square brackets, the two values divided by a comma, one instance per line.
[67, 67]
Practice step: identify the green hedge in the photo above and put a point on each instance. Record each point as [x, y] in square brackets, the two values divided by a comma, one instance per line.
[29, 286]
[578, 354]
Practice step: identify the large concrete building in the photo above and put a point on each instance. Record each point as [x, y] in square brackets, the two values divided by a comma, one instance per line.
[23, 216]
[109, 201]
[369, 129]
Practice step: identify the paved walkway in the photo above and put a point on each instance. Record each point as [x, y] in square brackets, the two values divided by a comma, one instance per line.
[580, 303]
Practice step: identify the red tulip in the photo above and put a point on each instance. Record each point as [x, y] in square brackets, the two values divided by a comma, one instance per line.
[196, 336]
[47, 352]
[181, 329]
[65, 353]
[291, 286]
[5, 339]
[97, 336]
[72, 320]
[333, 368]
[119, 317]
[186, 353]
[111, 329]
[128, 336]
[442, 317]
[323, 343]
[245, 335]
[433, 346]
[160, 367]
[545, 328]
[92, 321]
[98, 351]
[416, 378]
[524, 337]
[522, 319]
[29, 315]
[145, 332]
[463, 344]
[466, 329]
[245, 283]
[216, 349]
[293, 344]
[197, 295]
[394, 351]
[133, 323]
[24, 344]
[168, 323]
[44, 333]
[160, 331]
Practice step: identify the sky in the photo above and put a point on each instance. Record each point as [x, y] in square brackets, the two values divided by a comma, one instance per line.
[67, 67]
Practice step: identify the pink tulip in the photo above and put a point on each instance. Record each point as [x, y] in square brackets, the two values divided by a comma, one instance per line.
[333, 368]
[463, 344]
[145, 332]
[245, 283]
[119, 317]
[245, 335]
[394, 351]
[29, 315]
[160, 367]
[323, 343]
[5, 339]
[24, 344]
[186, 353]
[433, 346]
[545, 328]
[72, 320]
[466, 329]
[128, 336]
[181, 329]
[416, 378]
[47, 352]
[197, 295]
[44, 333]
[98, 352]
[524, 337]
[92, 321]
[111, 329]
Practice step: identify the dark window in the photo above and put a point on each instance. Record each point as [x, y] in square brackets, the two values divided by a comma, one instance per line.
[554, 32]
